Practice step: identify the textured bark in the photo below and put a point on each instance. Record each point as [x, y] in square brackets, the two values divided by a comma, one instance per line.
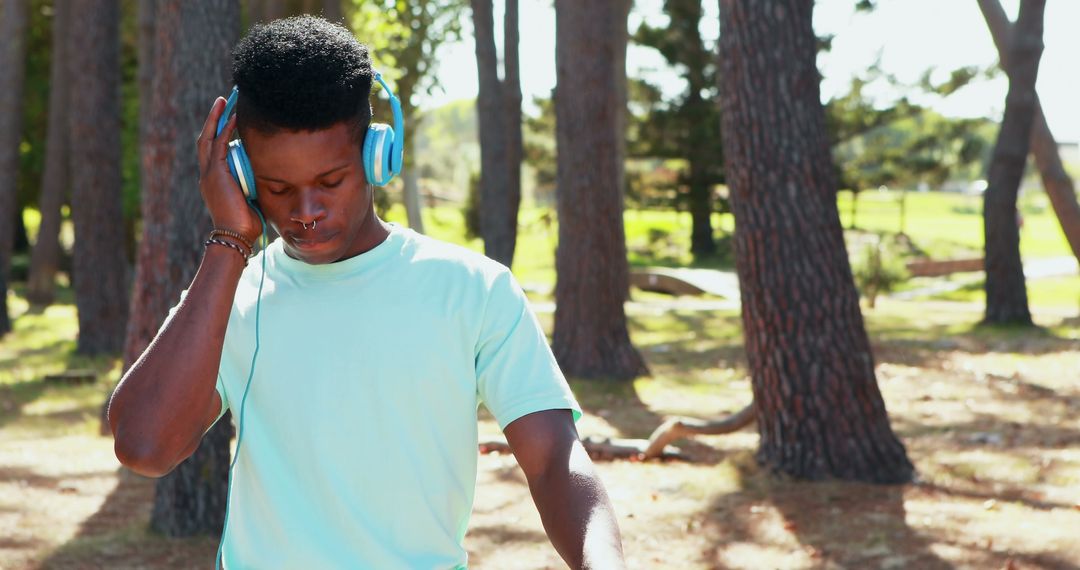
[591, 339]
[1006, 290]
[14, 21]
[190, 67]
[1059, 186]
[498, 204]
[819, 411]
[45, 258]
[99, 266]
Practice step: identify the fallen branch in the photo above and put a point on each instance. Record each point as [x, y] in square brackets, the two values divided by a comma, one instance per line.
[603, 448]
[675, 428]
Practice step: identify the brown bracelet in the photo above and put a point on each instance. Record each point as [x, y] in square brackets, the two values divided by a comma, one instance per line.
[228, 244]
[229, 233]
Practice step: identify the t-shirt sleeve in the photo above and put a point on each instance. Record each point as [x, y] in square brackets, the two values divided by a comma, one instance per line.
[220, 383]
[516, 372]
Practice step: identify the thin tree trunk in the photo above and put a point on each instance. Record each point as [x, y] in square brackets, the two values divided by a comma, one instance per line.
[190, 67]
[331, 10]
[99, 265]
[511, 91]
[45, 258]
[410, 181]
[819, 411]
[591, 339]
[14, 22]
[491, 118]
[1059, 186]
[1006, 290]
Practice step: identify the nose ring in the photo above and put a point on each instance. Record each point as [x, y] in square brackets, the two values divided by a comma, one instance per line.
[313, 222]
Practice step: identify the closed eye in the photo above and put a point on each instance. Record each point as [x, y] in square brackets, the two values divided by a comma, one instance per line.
[334, 184]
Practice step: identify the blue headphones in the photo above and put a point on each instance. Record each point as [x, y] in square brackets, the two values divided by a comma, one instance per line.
[382, 151]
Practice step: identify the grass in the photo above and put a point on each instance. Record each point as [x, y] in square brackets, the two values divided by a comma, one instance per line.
[1051, 292]
[948, 225]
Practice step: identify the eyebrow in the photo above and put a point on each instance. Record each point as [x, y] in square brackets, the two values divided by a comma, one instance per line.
[331, 171]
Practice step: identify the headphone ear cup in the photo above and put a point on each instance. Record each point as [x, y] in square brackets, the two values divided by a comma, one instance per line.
[240, 167]
[377, 154]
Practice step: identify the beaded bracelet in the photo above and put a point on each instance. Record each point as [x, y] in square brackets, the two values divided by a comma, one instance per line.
[232, 234]
[228, 244]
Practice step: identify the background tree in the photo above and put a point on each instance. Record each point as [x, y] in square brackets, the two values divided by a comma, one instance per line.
[13, 25]
[404, 36]
[99, 263]
[1058, 184]
[1006, 291]
[688, 129]
[590, 339]
[819, 411]
[45, 258]
[498, 111]
[191, 45]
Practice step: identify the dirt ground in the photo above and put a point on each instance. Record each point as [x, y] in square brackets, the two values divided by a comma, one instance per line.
[988, 417]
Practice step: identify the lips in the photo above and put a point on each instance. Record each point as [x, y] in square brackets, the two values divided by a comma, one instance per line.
[310, 241]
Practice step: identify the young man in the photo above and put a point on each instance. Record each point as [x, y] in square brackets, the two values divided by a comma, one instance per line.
[376, 344]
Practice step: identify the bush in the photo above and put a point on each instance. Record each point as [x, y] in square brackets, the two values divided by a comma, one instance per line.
[878, 269]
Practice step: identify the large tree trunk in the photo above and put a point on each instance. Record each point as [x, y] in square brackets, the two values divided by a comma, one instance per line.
[820, 413]
[1059, 187]
[14, 21]
[591, 339]
[45, 258]
[190, 67]
[497, 227]
[1006, 291]
[99, 266]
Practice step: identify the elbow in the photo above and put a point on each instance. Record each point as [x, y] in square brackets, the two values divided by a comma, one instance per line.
[142, 457]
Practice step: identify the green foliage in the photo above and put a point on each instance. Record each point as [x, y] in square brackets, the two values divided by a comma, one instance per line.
[688, 128]
[903, 144]
[471, 210]
[878, 269]
[538, 134]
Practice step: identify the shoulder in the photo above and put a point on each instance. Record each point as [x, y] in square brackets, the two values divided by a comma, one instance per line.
[452, 261]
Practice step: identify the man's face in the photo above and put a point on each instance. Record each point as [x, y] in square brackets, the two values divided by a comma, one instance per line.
[313, 176]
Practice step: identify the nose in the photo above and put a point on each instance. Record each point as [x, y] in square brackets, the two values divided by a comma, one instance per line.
[308, 208]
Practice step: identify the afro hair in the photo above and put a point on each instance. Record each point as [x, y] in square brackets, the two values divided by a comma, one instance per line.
[301, 74]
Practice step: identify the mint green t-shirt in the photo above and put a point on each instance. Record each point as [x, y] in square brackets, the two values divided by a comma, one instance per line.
[359, 447]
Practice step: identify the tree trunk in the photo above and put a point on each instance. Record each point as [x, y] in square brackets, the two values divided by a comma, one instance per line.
[191, 44]
[45, 258]
[702, 243]
[511, 92]
[819, 411]
[591, 339]
[14, 22]
[410, 181]
[331, 10]
[1006, 291]
[1059, 187]
[496, 227]
[99, 266]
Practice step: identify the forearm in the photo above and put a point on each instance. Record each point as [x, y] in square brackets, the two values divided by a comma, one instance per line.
[577, 513]
[165, 401]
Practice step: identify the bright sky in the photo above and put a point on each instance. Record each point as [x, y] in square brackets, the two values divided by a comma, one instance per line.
[910, 35]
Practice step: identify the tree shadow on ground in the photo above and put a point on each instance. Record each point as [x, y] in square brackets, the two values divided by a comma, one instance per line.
[837, 524]
[118, 535]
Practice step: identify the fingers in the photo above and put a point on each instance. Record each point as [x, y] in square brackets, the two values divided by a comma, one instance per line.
[206, 137]
[221, 143]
